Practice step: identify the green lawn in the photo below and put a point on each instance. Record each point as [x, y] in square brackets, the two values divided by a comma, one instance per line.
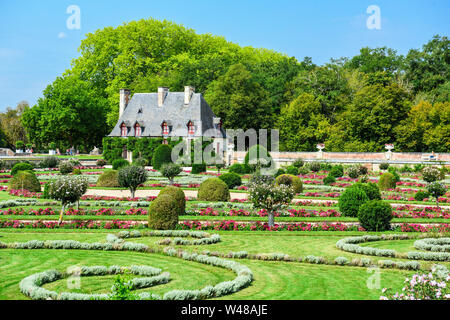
[272, 280]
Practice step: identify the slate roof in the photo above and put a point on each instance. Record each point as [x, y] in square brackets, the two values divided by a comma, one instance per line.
[143, 109]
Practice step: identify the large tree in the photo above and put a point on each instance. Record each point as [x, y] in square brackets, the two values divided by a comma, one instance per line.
[239, 100]
[11, 124]
[72, 113]
[302, 125]
[426, 129]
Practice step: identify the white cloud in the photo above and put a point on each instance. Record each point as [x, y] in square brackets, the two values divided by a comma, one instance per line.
[62, 35]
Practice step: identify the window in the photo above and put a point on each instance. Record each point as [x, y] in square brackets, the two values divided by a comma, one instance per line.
[165, 128]
[191, 128]
[137, 130]
[124, 130]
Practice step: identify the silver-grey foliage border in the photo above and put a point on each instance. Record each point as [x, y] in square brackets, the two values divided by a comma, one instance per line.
[31, 285]
[351, 244]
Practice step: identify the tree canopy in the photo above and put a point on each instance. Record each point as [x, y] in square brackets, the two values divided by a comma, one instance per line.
[350, 104]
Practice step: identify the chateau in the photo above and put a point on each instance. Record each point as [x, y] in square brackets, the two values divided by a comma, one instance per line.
[168, 114]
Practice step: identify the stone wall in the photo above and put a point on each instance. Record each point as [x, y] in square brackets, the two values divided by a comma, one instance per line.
[282, 158]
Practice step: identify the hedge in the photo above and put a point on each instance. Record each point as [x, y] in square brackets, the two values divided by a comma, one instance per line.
[213, 189]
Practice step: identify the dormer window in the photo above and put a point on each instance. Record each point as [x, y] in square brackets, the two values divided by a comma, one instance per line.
[191, 128]
[165, 128]
[137, 130]
[123, 130]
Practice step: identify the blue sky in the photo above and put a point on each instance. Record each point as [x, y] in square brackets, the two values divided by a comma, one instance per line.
[36, 46]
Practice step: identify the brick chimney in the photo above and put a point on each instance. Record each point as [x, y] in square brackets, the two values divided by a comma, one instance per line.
[124, 99]
[162, 93]
[188, 92]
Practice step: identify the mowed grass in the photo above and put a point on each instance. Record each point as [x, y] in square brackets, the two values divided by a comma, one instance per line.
[272, 280]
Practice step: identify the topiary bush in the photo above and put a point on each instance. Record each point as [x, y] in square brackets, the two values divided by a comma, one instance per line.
[363, 170]
[386, 181]
[21, 166]
[213, 189]
[384, 166]
[350, 201]
[420, 195]
[131, 177]
[353, 172]
[436, 189]
[290, 180]
[119, 163]
[25, 180]
[371, 189]
[329, 179]
[375, 215]
[170, 171]
[262, 159]
[108, 179]
[163, 213]
[140, 162]
[49, 162]
[65, 167]
[178, 197]
[431, 174]
[239, 168]
[258, 178]
[314, 166]
[337, 171]
[163, 154]
[232, 179]
[292, 170]
[298, 163]
[198, 168]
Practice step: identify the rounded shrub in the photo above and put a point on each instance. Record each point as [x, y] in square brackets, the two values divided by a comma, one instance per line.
[198, 168]
[298, 163]
[76, 171]
[162, 154]
[329, 179]
[239, 168]
[178, 197]
[65, 167]
[140, 162]
[387, 181]
[108, 179]
[314, 166]
[290, 180]
[163, 213]
[292, 170]
[350, 201]
[353, 172]
[431, 174]
[170, 171]
[49, 162]
[131, 177]
[337, 171]
[119, 163]
[420, 195]
[363, 170]
[262, 160]
[384, 166]
[25, 180]
[375, 215]
[213, 189]
[21, 166]
[231, 179]
[371, 189]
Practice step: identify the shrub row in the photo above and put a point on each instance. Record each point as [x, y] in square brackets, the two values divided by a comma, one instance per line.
[436, 245]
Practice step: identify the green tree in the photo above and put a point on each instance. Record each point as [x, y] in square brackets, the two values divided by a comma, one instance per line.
[426, 129]
[72, 113]
[302, 125]
[239, 100]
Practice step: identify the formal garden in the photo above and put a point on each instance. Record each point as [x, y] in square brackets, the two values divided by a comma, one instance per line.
[115, 230]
